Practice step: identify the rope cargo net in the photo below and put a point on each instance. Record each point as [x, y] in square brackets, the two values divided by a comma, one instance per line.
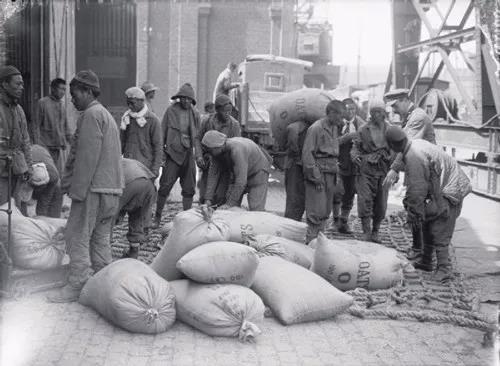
[419, 298]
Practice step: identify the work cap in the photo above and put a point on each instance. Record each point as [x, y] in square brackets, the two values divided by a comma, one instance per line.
[9, 70]
[214, 139]
[148, 86]
[187, 91]
[222, 100]
[377, 104]
[88, 77]
[135, 92]
[395, 134]
[392, 96]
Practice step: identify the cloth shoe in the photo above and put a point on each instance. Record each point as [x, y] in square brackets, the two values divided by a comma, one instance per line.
[156, 222]
[414, 254]
[132, 252]
[68, 293]
[375, 237]
[423, 265]
[344, 227]
[443, 274]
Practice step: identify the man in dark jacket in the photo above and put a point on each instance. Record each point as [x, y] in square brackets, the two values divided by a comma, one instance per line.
[136, 200]
[180, 127]
[14, 138]
[220, 121]
[50, 126]
[249, 166]
[319, 162]
[47, 194]
[347, 170]
[93, 179]
[436, 188]
[294, 176]
[373, 156]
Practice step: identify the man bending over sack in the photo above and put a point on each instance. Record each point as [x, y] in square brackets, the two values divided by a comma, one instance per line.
[436, 188]
[248, 163]
[46, 184]
[136, 200]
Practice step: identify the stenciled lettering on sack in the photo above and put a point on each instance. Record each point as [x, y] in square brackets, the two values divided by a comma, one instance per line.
[344, 277]
[284, 115]
[331, 270]
[300, 107]
[363, 279]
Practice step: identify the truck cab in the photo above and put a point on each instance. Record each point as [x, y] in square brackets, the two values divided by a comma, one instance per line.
[264, 78]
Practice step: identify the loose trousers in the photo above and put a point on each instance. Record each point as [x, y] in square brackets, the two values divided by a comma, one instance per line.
[172, 171]
[88, 235]
[319, 204]
[295, 192]
[349, 184]
[372, 197]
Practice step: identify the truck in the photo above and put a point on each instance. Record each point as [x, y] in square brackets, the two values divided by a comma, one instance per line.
[265, 78]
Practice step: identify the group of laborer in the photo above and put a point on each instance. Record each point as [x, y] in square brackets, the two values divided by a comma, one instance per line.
[111, 167]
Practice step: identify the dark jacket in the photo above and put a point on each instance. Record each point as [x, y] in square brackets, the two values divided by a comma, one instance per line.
[14, 137]
[144, 144]
[94, 163]
[41, 155]
[176, 144]
[244, 158]
[375, 160]
[346, 166]
[50, 127]
[295, 137]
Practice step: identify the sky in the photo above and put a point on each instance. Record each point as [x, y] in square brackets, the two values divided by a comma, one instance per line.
[364, 27]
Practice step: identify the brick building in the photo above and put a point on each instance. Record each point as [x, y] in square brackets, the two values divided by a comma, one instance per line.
[126, 42]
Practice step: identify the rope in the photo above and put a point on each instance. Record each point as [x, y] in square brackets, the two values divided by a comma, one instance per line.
[255, 109]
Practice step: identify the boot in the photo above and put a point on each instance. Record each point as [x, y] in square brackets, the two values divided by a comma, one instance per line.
[336, 223]
[425, 261]
[160, 204]
[415, 252]
[132, 252]
[344, 226]
[375, 237]
[367, 230]
[187, 202]
[443, 272]
[65, 294]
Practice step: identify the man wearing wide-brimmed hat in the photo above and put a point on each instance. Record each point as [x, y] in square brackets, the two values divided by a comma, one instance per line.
[149, 90]
[14, 138]
[180, 127]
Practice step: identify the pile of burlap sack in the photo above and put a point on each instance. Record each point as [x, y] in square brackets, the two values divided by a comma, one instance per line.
[217, 272]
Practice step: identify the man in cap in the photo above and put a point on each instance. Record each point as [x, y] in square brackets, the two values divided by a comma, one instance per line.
[224, 81]
[436, 188]
[14, 138]
[417, 125]
[294, 176]
[93, 179]
[136, 200]
[46, 185]
[220, 121]
[371, 153]
[248, 164]
[50, 126]
[319, 162]
[140, 132]
[149, 90]
[141, 135]
[343, 203]
[180, 127]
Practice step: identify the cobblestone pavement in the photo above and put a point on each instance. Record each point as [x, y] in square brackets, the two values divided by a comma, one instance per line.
[35, 332]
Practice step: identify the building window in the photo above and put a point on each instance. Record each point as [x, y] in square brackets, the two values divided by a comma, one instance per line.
[274, 81]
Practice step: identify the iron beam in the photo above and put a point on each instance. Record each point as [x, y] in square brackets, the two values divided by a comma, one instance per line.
[462, 35]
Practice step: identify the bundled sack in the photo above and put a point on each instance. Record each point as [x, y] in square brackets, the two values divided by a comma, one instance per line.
[220, 262]
[244, 223]
[190, 229]
[352, 263]
[224, 310]
[306, 104]
[296, 294]
[290, 250]
[36, 243]
[129, 294]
